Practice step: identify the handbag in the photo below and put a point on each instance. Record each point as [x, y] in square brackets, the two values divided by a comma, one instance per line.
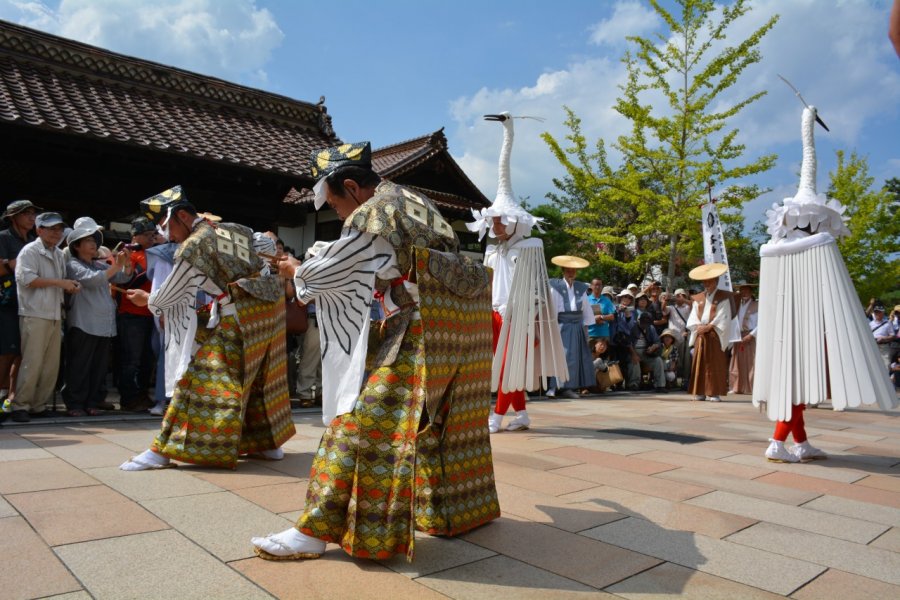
[296, 317]
[615, 375]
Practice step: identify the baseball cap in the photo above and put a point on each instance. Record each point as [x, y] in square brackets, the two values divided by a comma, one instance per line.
[48, 219]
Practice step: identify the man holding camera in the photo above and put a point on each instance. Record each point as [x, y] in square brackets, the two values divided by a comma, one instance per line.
[135, 325]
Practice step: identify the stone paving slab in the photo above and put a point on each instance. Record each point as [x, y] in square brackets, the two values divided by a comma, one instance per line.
[799, 482]
[568, 555]
[20, 449]
[845, 528]
[80, 514]
[222, 523]
[149, 485]
[880, 482]
[670, 580]
[568, 515]
[504, 577]
[30, 569]
[868, 561]
[278, 498]
[875, 513]
[757, 488]
[671, 515]
[756, 568]
[6, 509]
[538, 481]
[653, 486]
[335, 575]
[153, 565]
[631, 464]
[434, 554]
[707, 465]
[810, 469]
[248, 474]
[889, 541]
[834, 583]
[88, 456]
[40, 474]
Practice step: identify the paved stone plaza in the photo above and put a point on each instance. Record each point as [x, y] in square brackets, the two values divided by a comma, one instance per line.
[615, 496]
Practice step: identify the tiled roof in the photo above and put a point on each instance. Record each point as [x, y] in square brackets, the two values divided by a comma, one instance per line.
[392, 162]
[59, 85]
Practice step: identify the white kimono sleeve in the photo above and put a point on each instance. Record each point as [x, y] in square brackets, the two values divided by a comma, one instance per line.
[341, 279]
[175, 300]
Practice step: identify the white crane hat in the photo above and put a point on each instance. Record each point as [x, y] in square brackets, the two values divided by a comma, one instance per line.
[808, 212]
[504, 206]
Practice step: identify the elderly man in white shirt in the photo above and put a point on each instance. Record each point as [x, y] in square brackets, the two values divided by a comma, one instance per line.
[743, 354]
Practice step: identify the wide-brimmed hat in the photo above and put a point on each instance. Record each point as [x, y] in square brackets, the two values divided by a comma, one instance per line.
[744, 283]
[17, 206]
[159, 206]
[671, 333]
[325, 162]
[48, 219]
[608, 290]
[708, 271]
[569, 262]
[85, 227]
[640, 295]
[625, 292]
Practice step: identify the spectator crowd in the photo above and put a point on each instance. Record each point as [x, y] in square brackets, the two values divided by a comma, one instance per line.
[68, 329]
[66, 325]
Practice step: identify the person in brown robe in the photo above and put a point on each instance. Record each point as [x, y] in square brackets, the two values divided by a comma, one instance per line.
[743, 354]
[709, 325]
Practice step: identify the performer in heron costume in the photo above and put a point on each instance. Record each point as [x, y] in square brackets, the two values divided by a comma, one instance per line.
[814, 341]
[524, 322]
[227, 380]
[404, 402]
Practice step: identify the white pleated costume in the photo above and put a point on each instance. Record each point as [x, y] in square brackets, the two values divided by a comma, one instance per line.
[520, 292]
[813, 336]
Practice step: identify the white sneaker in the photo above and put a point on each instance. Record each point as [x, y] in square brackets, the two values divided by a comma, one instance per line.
[494, 422]
[805, 452]
[776, 452]
[551, 393]
[520, 423]
[699, 398]
[713, 399]
[290, 544]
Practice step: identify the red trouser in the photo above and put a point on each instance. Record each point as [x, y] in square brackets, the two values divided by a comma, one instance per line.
[794, 426]
[504, 399]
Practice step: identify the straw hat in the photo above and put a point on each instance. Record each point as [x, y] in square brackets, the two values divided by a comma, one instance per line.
[570, 262]
[707, 271]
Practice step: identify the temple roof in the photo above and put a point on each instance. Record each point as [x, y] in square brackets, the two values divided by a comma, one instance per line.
[424, 164]
[66, 87]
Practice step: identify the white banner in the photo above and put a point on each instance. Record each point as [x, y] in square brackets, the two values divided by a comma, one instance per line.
[714, 251]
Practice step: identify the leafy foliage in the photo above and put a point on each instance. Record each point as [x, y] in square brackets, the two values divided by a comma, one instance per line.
[645, 213]
[871, 251]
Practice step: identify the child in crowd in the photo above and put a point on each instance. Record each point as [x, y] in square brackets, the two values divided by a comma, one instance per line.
[670, 356]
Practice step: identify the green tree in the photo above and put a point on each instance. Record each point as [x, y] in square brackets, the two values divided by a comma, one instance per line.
[645, 212]
[871, 250]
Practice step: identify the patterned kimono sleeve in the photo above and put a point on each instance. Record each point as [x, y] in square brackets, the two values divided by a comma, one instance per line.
[341, 279]
[174, 301]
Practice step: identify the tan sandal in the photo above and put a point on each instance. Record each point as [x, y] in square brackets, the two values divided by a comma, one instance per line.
[299, 556]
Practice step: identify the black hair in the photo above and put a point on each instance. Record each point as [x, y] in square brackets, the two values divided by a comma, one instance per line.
[363, 177]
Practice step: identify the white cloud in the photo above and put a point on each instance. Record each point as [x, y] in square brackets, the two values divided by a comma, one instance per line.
[838, 56]
[232, 39]
[628, 18]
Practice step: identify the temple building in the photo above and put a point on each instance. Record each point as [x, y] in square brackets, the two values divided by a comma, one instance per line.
[91, 132]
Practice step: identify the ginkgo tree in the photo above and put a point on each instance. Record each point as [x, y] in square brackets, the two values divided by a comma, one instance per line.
[644, 213]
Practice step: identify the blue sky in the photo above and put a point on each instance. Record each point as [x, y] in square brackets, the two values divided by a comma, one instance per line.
[392, 70]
